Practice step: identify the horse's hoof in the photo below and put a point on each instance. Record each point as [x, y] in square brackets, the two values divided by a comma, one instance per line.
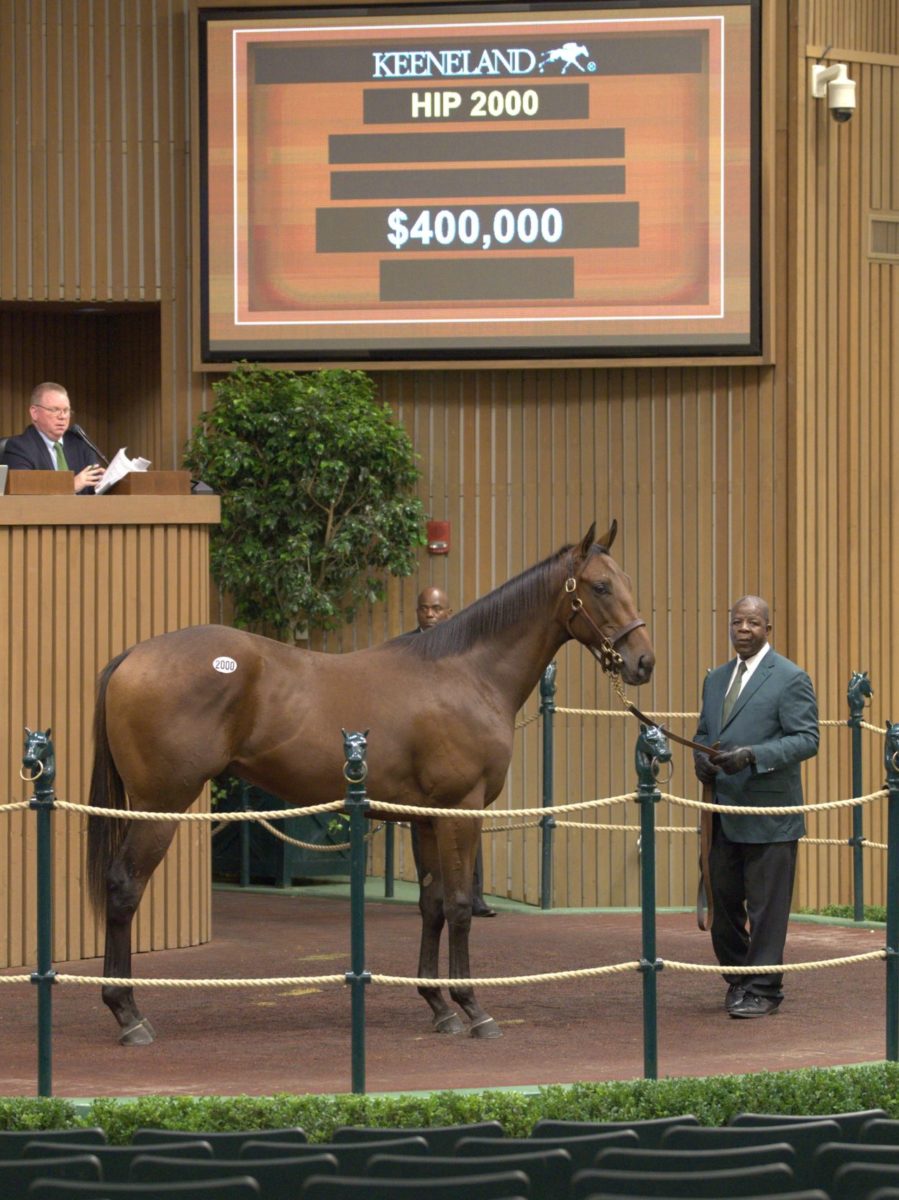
[141, 1033]
[451, 1023]
[486, 1028]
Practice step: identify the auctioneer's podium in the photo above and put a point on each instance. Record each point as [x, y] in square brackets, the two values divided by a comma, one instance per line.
[83, 578]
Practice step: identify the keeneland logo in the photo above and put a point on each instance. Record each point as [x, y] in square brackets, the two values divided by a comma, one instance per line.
[462, 63]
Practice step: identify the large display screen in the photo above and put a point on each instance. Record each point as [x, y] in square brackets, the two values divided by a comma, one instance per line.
[478, 182]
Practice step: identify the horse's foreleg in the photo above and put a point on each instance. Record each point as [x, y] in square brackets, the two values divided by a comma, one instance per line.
[458, 853]
[430, 905]
[127, 878]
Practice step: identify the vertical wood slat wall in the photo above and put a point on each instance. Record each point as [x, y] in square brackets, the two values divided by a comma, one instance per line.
[87, 591]
[846, 336]
[723, 479]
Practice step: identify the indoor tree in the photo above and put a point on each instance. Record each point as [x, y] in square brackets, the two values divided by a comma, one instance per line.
[318, 492]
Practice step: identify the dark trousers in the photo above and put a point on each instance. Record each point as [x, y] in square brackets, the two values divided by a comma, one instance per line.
[477, 893]
[752, 887]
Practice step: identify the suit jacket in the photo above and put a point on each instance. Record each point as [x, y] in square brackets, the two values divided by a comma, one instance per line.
[28, 452]
[777, 716]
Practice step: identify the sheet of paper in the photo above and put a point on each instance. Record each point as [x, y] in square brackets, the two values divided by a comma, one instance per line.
[120, 466]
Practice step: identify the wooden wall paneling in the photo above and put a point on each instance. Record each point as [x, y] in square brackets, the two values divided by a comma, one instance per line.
[37, 164]
[18, 152]
[524, 489]
[683, 422]
[589, 849]
[8, 178]
[53, 134]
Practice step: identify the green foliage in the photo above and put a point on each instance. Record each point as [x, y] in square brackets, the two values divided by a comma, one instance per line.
[713, 1100]
[318, 496]
[18, 1113]
[872, 912]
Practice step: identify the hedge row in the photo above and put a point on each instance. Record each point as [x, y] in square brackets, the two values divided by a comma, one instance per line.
[713, 1100]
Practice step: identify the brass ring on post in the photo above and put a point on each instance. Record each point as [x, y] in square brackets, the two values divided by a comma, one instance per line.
[32, 778]
[358, 777]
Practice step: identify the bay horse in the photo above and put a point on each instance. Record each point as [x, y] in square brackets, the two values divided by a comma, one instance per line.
[176, 710]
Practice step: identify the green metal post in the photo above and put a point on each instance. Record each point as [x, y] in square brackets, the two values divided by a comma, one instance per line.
[548, 821]
[859, 688]
[652, 748]
[42, 771]
[244, 836]
[891, 760]
[389, 867]
[355, 770]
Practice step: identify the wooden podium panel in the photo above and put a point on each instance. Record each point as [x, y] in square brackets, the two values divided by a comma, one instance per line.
[152, 483]
[84, 578]
[40, 483]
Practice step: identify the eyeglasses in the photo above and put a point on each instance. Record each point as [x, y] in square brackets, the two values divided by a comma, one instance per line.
[57, 412]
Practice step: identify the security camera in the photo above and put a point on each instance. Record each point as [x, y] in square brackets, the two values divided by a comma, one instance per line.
[834, 83]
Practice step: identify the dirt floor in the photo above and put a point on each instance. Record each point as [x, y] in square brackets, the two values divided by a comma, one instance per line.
[296, 1039]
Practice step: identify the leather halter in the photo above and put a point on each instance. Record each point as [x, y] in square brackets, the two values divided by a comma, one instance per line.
[607, 655]
[611, 662]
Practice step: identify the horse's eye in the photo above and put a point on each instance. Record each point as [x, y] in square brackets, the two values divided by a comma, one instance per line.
[601, 588]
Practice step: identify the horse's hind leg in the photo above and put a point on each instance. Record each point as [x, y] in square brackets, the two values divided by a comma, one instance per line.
[141, 852]
[430, 905]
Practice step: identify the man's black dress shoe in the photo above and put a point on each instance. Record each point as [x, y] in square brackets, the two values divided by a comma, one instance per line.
[735, 994]
[483, 910]
[753, 1005]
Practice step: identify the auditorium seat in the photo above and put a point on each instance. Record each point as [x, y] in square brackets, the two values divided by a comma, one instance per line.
[14, 1141]
[628, 1159]
[805, 1137]
[224, 1144]
[17, 1173]
[765, 1180]
[548, 1171]
[850, 1123]
[498, 1185]
[351, 1156]
[278, 1178]
[115, 1161]
[649, 1131]
[225, 1188]
[882, 1130]
[440, 1138]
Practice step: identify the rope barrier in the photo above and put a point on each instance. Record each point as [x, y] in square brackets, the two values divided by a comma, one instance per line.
[489, 981]
[324, 849]
[525, 721]
[287, 981]
[466, 814]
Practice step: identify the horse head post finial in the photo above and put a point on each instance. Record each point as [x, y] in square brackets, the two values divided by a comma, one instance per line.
[39, 762]
[652, 750]
[858, 691]
[355, 767]
[891, 756]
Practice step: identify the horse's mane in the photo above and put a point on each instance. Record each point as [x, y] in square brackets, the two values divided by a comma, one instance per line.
[517, 598]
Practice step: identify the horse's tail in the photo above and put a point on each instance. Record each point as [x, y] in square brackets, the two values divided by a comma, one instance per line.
[104, 834]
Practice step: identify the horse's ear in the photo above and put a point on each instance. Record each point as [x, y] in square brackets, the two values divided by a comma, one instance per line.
[47, 734]
[607, 538]
[28, 731]
[587, 542]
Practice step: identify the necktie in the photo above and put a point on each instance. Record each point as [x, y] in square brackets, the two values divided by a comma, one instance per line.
[733, 692]
[61, 464]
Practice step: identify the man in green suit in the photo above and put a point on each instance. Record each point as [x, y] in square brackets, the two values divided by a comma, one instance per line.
[759, 712]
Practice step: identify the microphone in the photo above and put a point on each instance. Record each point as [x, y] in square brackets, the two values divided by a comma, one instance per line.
[76, 429]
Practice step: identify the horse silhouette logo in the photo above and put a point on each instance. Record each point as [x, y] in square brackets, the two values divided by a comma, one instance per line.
[568, 54]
